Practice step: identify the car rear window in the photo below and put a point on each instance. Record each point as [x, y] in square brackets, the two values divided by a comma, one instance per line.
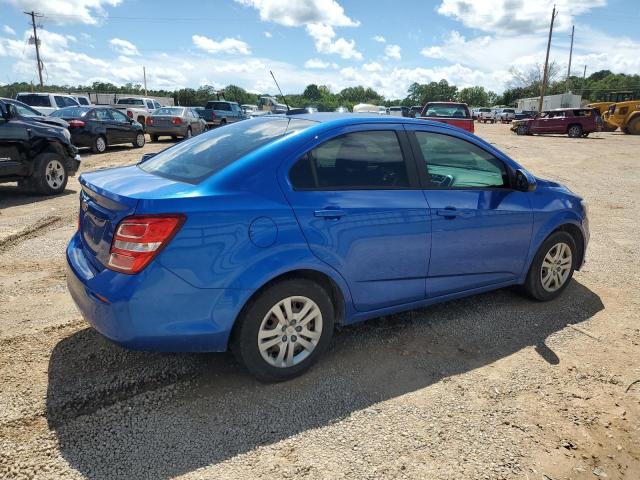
[34, 100]
[447, 110]
[71, 112]
[130, 101]
[169, 111]
[197, 159]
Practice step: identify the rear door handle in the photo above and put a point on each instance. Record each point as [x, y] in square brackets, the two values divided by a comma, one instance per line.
[330, 213]
[449, 212]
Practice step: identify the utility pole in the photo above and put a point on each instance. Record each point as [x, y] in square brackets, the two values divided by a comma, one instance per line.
[36, 42]
[584, 79]
[568, 82]
[144, 74]
[543, 87]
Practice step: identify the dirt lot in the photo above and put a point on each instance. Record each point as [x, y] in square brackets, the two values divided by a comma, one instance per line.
[494, 386]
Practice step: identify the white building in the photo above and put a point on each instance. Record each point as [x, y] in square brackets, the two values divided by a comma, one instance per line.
[562, 100]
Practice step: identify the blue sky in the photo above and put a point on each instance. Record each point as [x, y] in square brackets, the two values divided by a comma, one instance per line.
[383, 44]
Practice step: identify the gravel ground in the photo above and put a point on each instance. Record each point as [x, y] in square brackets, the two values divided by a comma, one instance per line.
[489, 387]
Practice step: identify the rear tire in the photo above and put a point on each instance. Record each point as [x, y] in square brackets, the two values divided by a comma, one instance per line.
[189, 133]
[50, 174]
[139, 141]
[272, 342]
[552, 267]
[574, 131]
[99, 144]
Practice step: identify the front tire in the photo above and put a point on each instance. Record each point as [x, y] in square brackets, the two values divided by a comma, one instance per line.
[284, 330]
[521, 130]
[50, 174]
[552, 267]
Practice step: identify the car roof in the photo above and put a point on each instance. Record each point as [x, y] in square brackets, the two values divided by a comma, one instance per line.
[350, 118]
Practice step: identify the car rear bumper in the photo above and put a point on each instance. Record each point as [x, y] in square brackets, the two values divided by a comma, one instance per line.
[179, 131]
[154, 310]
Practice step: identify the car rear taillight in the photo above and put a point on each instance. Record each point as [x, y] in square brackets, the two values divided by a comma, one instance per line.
[176, 121]
[76, 123]
[139, 238]
[149, 121]
[129, 114]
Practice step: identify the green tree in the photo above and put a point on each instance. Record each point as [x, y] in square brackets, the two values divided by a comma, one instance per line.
[474, 97]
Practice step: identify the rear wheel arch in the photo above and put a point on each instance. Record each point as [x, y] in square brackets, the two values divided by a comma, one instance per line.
[327, 283]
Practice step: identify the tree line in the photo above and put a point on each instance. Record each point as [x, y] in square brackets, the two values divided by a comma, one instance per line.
[522, 84]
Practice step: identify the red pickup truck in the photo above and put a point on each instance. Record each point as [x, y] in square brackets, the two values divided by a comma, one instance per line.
[456, 114]
[575, 122]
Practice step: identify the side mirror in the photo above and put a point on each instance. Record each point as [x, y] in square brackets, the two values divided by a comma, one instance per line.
[525, 182]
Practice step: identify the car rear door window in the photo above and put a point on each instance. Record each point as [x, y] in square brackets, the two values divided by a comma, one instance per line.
[103, 115]
[34, 100]
[118, 116]
[452, 162]
[353, 161]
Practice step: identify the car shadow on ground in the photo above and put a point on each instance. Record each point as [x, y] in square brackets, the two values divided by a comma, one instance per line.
[13, 196]
[210, 410]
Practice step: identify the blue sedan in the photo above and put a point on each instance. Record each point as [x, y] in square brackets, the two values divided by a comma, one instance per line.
[263, 235]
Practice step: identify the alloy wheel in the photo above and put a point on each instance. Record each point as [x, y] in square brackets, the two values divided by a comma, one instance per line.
[54, 174]
[101, 145]
[556, 267]
[290, 331]
[140, 140]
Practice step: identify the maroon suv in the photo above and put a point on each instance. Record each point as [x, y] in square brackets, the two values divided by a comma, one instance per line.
[575, 122]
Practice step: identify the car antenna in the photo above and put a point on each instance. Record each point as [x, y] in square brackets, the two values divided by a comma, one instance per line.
[281, 94]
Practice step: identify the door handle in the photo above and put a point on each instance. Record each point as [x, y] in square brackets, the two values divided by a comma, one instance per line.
[329, 213]
[449, 212]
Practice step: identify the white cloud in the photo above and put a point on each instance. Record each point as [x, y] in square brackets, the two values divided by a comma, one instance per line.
[379, 39]
[228, 45]
[324, 35]
[516, 16]
[268, 34]
[432, 52]
[124, 47]
[301, 13]
[67, 11]
[392, 51]
[316, 63]
[8, 29]
[372, 67]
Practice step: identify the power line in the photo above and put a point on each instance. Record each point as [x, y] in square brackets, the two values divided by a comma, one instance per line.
[36, 42]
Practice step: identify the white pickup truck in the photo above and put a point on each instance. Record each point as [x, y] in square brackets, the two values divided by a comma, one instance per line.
[137, 108]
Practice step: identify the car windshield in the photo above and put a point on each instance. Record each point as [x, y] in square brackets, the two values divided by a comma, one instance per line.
[71, 112]
[197, 159]
[169, 111]
[23, 110]
[130, 101]
[447, 110]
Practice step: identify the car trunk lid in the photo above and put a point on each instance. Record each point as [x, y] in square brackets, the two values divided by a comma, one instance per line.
[110, 195]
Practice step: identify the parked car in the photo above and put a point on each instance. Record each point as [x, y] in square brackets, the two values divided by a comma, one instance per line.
[83, 100]
[399, 111]
[248, 109]
[342, 110]
[505, 115]
[415, 111]
[382, 110]
[575, 122]
[175, 122]
[485, 115]
[263, 235]
[311, 109]
[101, 127]
[137, 108]
[26, 111]
[525, 114]
[35, 153]
[456, 114]
[46, 103]
[221, 112]
[271, 104]
[366, 108]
